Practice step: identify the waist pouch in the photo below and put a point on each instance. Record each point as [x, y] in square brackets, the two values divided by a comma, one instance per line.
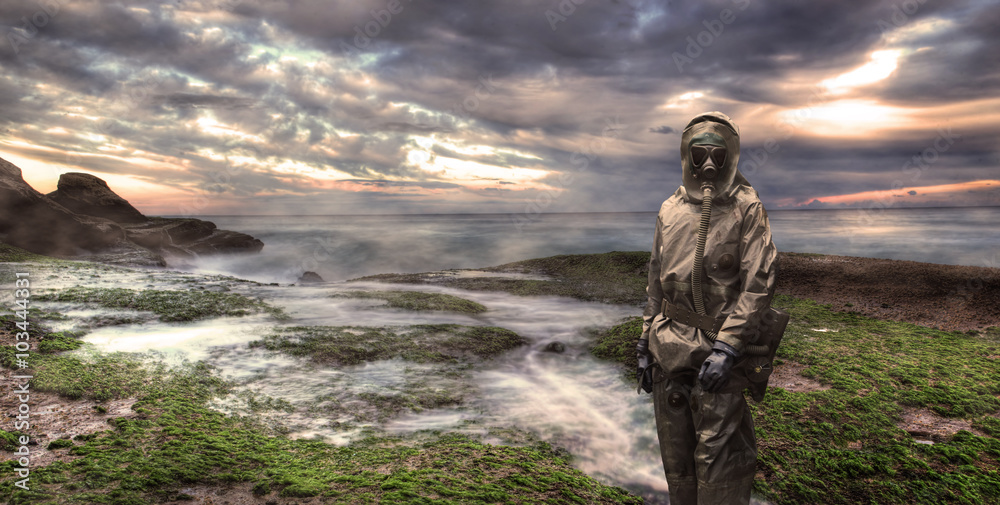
[752, 371]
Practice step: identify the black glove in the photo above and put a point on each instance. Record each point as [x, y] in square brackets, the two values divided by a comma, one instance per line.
[645, 359]
[716, 369]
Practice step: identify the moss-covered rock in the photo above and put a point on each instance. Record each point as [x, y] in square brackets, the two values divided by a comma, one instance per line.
[418, 300]
[615, 277]
[60, 341]
[14, 254]
[170, 305]
[426, 343]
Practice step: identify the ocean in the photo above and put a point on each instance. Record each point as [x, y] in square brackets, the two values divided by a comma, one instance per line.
[344, 247]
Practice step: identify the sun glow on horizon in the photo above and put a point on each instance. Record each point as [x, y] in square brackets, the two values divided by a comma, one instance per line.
[885, 194]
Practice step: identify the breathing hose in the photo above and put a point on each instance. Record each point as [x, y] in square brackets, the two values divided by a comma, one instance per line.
[699, 253]
[699, 256]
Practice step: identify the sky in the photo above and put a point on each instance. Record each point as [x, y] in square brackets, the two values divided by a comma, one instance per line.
[291, 107]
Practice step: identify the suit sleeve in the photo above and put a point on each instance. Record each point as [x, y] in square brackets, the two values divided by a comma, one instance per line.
[758, 272]
[654, 292]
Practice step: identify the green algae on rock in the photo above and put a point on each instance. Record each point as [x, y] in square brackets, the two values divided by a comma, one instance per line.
[431, 365]
[168, 304]
[14, 254]
[424, 343]
[614, 277]
[418, 300]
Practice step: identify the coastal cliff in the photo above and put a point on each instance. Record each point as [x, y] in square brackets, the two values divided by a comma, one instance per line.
[85, 219]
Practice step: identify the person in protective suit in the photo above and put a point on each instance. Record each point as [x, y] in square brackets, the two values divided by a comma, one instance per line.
[711, 278]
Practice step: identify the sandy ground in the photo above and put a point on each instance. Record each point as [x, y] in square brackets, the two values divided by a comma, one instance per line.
[788, 376]
[948, 297]
[53, 417]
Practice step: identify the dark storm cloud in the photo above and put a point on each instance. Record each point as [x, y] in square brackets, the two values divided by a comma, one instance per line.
[399, 127]
[384, 184]
[958, 62]
[663, 129]
[189, 100]
[804, 168]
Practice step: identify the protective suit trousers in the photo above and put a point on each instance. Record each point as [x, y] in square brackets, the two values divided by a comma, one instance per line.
[707, 443]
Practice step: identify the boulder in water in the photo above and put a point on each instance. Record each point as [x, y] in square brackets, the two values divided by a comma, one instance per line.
[555, 346]
[310, 277]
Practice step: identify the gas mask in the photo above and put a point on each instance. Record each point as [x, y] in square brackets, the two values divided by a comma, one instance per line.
[710, 152]
[708, 156]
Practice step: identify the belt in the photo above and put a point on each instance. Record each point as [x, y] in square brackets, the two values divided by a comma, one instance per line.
[684, 316]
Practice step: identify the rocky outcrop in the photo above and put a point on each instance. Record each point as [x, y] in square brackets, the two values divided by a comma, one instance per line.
[91, 196]
[310, 276]
[189, 237]
[85, 219]
[34, 222]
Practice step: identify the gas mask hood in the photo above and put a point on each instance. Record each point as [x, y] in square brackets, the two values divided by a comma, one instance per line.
[710, 152]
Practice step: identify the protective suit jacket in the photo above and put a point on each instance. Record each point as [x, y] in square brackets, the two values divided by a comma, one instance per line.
[739, 268]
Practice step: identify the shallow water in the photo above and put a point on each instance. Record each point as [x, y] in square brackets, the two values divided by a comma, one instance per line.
[570, 399]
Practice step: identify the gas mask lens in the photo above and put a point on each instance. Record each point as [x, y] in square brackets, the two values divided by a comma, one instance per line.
[701, 153]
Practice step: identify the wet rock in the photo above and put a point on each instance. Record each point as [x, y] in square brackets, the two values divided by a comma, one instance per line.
[310, 277]
[84, 218]
[189, 237]
[88, 195]
[555, 346]
[36, 223]
[126, 253]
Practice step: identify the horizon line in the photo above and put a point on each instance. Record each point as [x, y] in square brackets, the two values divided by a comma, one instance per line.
[567, 213]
